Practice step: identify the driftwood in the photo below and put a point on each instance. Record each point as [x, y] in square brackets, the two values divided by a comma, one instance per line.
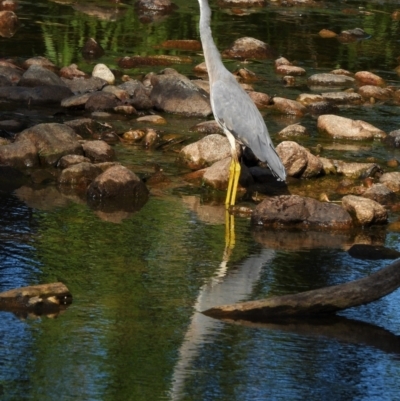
[321, 301]
[44, 298]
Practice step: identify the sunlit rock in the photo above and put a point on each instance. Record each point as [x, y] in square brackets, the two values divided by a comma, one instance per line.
[391, 180]
[328, 80]
[294, 130]
[287, 106]
[342, 98]
[174, 93]
[103, 72]
[298, 161]
[293, 211]
[206, 151]
[98, 151]
[368, 78]
[365, 211]
[346, 128]
[249, 48]
[369, 92]
[327, 34]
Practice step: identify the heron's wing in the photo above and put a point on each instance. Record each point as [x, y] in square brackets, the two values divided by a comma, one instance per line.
[236, 112]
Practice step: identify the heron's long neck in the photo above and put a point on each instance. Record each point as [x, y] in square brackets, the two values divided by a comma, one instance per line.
[211, 53]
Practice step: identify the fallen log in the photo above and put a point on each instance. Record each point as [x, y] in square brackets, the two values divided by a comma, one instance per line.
[322, 301]
[43, 298]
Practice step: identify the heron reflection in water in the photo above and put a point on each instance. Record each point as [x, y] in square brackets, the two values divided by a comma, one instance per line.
[235, 112]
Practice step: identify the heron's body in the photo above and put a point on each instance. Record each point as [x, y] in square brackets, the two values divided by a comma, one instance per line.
[234, 111]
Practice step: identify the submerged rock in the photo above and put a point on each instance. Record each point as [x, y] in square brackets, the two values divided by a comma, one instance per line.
[372, 252]
[249, 48]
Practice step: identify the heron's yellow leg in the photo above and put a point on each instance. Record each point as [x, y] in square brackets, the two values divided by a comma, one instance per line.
[229, 231]
[230, 183]
[237, 169]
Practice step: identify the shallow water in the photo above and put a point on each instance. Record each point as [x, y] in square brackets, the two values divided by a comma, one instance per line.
[134, 331]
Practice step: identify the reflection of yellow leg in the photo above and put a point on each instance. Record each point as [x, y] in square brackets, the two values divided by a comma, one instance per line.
[234, 174]
[229, 231]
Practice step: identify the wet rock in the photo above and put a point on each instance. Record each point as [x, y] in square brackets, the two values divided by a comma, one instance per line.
[288, 106]
[174, 93]
[207, 127]
[150, 138]
[294, 130]
[327, 34]
[368, 78]
[365, 211]
[69, 160]
[118, 92]
[20, 154]
[249, 48]
[101, 101]
[76, 101]
[371, 92]
[11, 127]
[285, 67]
[298, 161]
[36, 75]
[40, 61]
[84, 126]
[40, 95]
[153, 119]
[9, 23]
[341, 127]
[328, 80]
[205, 152]
[391, 180]
[393, 139]
[352, 35]
[217, 175]
[309, 98]
[261, 100]
[356, 170]
[82, 85]
[372, 252]
[12, 73]
[125, 109]
[117, 188]
[98, 151]
[342, 98]
[52, 141]
[80, 175]
[92, 49]
[140, 96]
[328, 166]
[71, 72]
[134, 135]
[324, 107]
[380, 193]
[294, 211]
[103, 72]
